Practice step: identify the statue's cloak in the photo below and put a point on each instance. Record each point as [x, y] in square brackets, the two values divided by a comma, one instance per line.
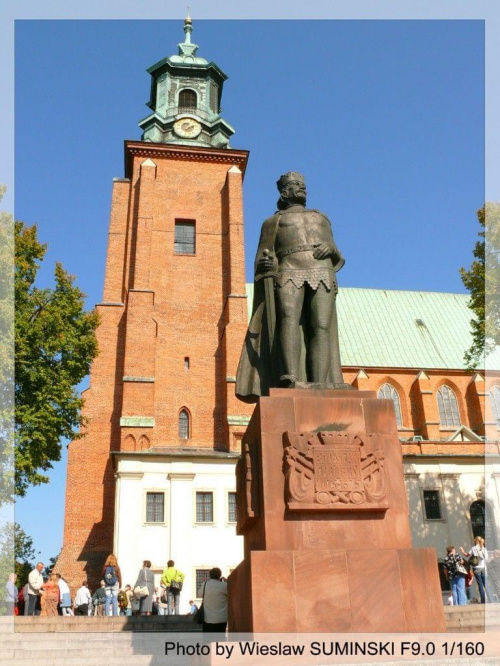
[260, 368]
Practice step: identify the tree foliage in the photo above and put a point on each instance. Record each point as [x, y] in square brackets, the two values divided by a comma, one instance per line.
[17, 555]
[6, 356]
[482, 280]
[54, 346]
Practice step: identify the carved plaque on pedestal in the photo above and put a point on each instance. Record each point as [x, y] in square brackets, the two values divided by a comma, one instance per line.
[333, 471]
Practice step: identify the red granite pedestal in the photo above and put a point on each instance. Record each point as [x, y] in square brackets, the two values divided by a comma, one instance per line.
[323, 509]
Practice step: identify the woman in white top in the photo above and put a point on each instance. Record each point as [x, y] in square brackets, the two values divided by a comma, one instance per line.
[215, 603]
[478, 554]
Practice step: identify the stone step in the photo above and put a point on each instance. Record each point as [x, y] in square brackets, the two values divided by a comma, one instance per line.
[140, 641]
[84, 660]
[175, 623]
[473, 617]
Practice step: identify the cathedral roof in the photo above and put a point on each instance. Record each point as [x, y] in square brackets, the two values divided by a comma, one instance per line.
[403, 329]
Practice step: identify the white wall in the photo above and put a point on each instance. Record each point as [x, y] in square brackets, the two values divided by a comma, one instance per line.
[191, 545]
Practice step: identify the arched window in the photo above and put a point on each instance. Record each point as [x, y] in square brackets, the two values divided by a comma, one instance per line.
[388, 392]
[184, 424]
[187, 100]
[495, 402]
[448, 407]
[483, 525]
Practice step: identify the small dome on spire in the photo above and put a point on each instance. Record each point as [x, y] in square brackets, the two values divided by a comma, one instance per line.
[188, 20]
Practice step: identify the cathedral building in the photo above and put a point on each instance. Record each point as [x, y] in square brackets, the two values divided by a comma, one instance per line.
[154, 476]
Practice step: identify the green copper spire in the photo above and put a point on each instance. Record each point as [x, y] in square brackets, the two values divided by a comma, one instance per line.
[186, 92]
[187, 48]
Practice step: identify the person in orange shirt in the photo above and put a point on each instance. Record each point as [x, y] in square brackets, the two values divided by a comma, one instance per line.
[51, 595]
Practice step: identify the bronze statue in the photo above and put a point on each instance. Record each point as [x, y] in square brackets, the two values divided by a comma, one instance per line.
[292, 338]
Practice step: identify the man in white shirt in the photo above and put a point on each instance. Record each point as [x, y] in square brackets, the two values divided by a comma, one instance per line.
[82, 599]
[35, 587]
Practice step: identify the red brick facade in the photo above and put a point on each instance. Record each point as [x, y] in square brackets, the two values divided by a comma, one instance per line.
[171, 331]
[417, 390]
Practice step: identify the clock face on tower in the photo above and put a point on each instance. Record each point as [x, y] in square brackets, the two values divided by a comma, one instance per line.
[187, 128]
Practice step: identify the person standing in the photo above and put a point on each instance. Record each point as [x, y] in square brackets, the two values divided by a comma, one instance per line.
[172, 579]
[146, 579]
[82, 599]
[35, 587]
[215, 602]
[52, 596]
[25, 598]
[477, 560]
[192, 607]
[456, 573]
[113, 580]
[99, 600]
[494, 575]
[64, 595]
[161, 600]
[130, 598]
[11, 594]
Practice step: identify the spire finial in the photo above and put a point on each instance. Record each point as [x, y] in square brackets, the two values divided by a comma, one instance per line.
[187, 48]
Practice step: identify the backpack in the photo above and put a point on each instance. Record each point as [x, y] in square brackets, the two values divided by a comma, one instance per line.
[122, 599]
[110, 576]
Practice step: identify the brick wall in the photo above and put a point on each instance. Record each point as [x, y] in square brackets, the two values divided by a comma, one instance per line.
[159, 309]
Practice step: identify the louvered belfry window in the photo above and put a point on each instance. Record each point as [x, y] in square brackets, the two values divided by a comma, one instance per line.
[187, 100]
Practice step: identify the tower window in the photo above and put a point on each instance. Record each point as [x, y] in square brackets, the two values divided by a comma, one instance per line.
[183, 424]
[185, 237]
[214, 97]
[155, 507]
[448, 407]
[388, 392]
[204, 507]
[186, 362]
[187, 100]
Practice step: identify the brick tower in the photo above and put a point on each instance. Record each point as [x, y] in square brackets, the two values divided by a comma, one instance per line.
[174, 311]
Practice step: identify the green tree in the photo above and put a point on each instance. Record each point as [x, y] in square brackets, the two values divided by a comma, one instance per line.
[6, 356]
[24, 553]
[55, 343]
[482, 280]
[17, 555]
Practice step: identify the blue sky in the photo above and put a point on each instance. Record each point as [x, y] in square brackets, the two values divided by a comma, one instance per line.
[384, 118]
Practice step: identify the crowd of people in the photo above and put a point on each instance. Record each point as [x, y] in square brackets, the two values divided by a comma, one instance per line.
[463, 568]
[51, 596]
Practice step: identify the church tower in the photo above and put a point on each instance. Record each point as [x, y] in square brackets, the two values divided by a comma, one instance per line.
[153, 476]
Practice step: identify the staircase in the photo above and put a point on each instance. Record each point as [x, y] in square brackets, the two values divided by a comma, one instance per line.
[140, 641]
[95, 641]
[472, 618]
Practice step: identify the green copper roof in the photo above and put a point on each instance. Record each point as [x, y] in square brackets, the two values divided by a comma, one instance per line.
[403, 329]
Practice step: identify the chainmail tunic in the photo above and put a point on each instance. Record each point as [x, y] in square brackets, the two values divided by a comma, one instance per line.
[313, 276]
